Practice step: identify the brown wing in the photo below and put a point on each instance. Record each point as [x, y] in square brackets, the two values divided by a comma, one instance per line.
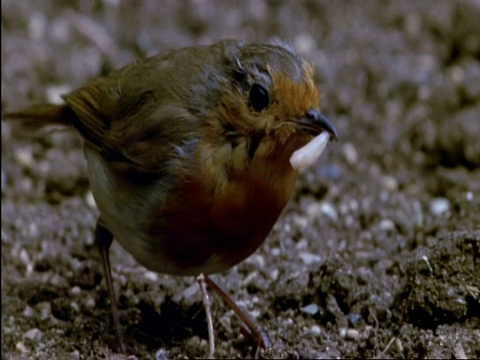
[136, 127]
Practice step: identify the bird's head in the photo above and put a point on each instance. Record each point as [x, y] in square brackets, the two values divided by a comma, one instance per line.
[268, 90]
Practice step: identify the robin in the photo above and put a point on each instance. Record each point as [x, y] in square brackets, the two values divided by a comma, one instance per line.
[188, 152]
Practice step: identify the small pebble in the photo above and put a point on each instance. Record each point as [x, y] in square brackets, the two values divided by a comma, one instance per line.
[469, 196]
[386, 225]
[274, 274]
[57, 280]
[250, 278]
[54, 93]
[310, 309]
[287, 228]
[37, 26]
[34, 335]
[389, 183]
[161, 354]
[309, 258]
[90, 200]
[351, 334]
[315, 330]
[45, 309]
[122, 280]
[75, 355]
[28, 312]
[226, 322]
[75, 290]
[33, 231]
[275, 251]
[329, 211]
[151, 276]
[254, 313]
[90, 303]
[439, 206]
[459, 351]
[74, 306]
[24, 257]
[190, 292]
[398, 345]
[256, 260]
[353, 318]
[301, 244]
[305, 43]
[457, 74]
[21, 347]
[313, 210]
[344, 209]
[354, 205]
[300, 221]
[384, 196]
[88, 239]
[425, 260]
[350, 153]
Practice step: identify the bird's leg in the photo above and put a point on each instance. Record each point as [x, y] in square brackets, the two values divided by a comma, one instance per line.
[254, 330]
[103, 240]
[208, 312]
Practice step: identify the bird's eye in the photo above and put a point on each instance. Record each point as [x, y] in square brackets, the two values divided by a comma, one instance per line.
[259, 98]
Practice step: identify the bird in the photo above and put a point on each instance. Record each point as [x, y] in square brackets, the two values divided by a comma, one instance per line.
[188, 151]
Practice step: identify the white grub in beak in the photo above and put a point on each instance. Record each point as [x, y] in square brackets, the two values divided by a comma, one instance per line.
[309, 153]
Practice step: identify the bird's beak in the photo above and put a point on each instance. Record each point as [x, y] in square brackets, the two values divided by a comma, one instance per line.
[315, 122]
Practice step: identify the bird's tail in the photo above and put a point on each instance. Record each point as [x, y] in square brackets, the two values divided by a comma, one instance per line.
[38, 116]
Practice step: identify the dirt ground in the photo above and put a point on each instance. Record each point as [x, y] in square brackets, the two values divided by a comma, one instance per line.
[376, 255]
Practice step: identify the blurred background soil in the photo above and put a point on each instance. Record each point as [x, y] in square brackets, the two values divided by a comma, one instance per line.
[376, 255]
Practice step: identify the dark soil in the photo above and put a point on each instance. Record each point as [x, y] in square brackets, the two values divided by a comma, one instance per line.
[376, 255]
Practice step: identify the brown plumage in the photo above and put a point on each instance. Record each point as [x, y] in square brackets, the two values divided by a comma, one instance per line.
[188, 152]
